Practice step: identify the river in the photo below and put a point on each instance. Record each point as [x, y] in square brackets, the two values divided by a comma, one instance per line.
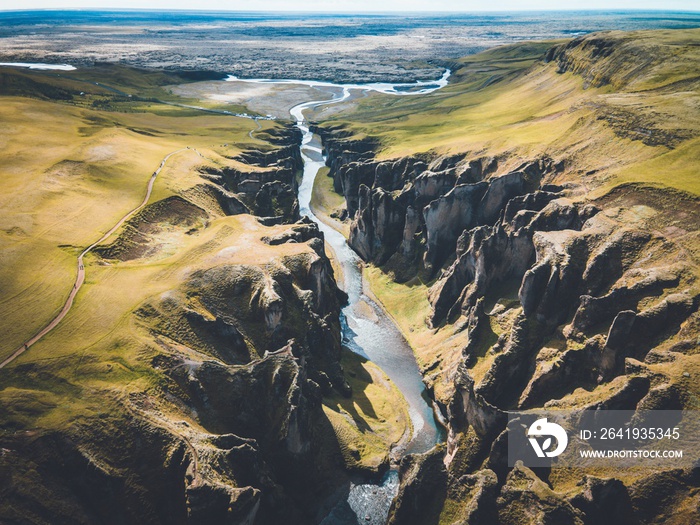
[39, 65]
[375, 337]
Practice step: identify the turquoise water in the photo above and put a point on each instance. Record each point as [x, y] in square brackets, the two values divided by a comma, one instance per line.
[375, 337]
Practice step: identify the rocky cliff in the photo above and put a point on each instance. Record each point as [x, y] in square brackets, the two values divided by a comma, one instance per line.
[249, 352]
[266, 182]
[563, 302]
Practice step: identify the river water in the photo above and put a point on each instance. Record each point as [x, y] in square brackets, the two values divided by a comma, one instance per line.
[408, 88]
[374, 336]
[39, 65]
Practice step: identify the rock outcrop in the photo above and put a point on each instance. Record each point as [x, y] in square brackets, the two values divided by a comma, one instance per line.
[559, 297]
[526, 499]
[267, 187]
[227, 424]
[422, 479]
[415, 211]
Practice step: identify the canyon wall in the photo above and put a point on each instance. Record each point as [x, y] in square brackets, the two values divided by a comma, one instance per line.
[239, 352]
[565, 303]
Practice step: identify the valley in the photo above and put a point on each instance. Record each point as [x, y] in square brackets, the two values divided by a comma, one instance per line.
[526, 251]
[265, 337]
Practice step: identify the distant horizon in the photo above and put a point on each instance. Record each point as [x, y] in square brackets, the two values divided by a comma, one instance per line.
[317, 11]
[362, 7]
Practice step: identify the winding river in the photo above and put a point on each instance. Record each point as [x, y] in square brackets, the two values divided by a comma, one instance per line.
[374, 336]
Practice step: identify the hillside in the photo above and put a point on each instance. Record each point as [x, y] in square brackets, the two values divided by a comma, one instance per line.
[577, 102]
[197, 376]
[533, 228]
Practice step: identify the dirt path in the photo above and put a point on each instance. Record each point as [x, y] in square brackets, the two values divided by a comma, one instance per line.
[80, 279]
[250, 133]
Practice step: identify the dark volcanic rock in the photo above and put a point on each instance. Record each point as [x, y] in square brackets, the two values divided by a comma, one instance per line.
[499, 192]
[422, 478]
[379, 224]
[604, 502]
[209, 503]
[527, 500]
[263, 400]
[69, 486]
[563, 304]
[469, 409]
[269, 453]
[417, 211]
[269, 189]
[485, 256]
[446, 218]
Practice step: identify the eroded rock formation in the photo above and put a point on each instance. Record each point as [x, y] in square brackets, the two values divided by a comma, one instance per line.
[267, 190]
[567, 303]
[230, 427]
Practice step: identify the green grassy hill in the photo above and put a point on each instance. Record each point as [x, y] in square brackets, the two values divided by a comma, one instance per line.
[178, 296]
[615, 106]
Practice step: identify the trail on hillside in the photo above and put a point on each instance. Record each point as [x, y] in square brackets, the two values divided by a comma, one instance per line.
[80, 278]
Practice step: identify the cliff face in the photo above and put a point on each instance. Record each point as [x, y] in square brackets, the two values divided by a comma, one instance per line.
[260, 183]
[415, 209]
[237, 313]
[223, 422]
[558, 296]
[262, 347]
[267, 190]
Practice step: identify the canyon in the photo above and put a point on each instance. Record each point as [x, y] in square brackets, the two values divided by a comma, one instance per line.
[539, 296]
[531, 229]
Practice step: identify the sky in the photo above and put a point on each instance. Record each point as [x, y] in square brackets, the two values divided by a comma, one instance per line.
[359, 5]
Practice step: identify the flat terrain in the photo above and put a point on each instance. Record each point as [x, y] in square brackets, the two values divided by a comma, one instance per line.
[343, 48]
[275, 100]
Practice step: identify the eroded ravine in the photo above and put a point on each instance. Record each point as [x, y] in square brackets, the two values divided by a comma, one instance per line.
[375, 337]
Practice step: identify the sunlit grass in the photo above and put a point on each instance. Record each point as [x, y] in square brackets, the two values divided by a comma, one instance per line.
[373, 420]
[639, 127]
[68, 175]
[507, 101]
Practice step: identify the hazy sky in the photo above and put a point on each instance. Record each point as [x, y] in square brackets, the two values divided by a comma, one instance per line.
[360, 5]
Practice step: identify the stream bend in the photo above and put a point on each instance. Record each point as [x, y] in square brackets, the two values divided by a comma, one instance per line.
[374, 337]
